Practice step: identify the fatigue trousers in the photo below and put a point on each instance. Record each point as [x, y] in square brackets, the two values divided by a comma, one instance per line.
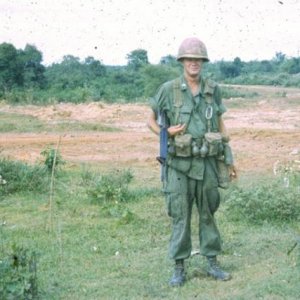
[181, 192]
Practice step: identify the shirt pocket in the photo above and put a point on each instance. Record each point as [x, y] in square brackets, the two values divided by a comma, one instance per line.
[185, 115]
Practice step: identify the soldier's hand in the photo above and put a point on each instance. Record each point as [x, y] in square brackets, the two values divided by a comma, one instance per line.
[176, 129]
[232, 172]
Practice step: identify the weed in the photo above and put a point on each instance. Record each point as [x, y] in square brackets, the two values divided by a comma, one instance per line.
[53, 158]
[110, 188]
[18, 176]
[18, 275]
[268, 202]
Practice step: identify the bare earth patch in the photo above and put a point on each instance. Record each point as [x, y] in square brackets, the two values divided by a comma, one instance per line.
[261, 133]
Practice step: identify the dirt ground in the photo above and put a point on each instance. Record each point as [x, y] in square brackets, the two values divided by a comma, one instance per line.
[264, 130]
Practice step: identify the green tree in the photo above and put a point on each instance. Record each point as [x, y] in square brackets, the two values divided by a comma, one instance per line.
[93, 68]
[67, 74]
[11, 70]
[238, 65]
[266, 66]
[33, 70]
[154, 75]
[169, 60]
[137, 58]
[231, 69]
[279, 57]
[291, 66]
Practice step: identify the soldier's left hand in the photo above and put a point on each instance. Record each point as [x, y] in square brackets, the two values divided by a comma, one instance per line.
[232, 172]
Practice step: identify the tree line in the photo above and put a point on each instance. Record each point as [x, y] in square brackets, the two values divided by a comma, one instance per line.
[24, 78]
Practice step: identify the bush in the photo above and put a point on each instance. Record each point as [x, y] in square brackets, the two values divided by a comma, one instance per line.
[276, 79]
[270, 202]
[18, 176]
[53, 158]
[110, 188]
[111, 192]
[18, 277]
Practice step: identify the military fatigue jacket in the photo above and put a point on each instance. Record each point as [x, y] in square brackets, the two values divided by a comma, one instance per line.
[176, 100]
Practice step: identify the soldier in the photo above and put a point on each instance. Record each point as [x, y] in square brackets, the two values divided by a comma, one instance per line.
[197, 148]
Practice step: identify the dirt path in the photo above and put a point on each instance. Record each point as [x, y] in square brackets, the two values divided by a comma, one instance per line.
[262, 133]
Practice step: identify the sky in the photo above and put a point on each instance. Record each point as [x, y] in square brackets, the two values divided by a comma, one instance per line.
[108, 30]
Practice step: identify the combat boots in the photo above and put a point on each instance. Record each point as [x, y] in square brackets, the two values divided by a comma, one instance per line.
[215, 271]
[178, 277]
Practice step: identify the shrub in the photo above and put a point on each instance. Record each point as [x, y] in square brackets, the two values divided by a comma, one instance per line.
[53, 158]
[18, 176]
[18, 276]
[109, 188]
[268, 202]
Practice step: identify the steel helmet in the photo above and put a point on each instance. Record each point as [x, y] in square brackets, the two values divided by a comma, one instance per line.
[192, 48]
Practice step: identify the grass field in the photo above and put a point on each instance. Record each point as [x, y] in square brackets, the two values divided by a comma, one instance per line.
[92, 251]
[96, 240]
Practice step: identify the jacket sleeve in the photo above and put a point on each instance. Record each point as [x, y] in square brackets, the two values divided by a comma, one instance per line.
[161, 100]
[218, 99]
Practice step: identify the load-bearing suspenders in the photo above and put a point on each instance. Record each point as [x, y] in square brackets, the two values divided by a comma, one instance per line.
[208, 91]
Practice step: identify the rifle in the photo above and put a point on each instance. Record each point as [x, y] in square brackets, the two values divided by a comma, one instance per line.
[163, 143]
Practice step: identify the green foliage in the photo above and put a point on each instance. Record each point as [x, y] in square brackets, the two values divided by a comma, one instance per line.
[154, 75]
[291, 66]
[111, 192]
[278, 79]
[120, 212]
[73, 95]
[110, 188]
[18, 275]
[231, 69]
[170, 60]
[124, 83]
[137, 58]
[20, 68]
[71, 73]
[10, 68]
[19, 95]
[33, 70]
[53, 158]
[23, 79]
[16, 96]
[273, 201]
[19, 176]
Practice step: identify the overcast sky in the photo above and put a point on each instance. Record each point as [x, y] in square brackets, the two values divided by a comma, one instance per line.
[110, 29]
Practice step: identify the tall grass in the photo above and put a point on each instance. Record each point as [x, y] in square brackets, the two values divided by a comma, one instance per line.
[276, 200]
[20, 176]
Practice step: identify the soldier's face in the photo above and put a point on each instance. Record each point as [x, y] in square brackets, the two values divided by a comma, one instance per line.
[192, 66]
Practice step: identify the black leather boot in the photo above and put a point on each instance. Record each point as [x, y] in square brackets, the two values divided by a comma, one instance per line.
[215, 271]
[178, 277]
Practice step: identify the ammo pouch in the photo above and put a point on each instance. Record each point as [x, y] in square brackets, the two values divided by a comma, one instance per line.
[214, 142]
[183, 145]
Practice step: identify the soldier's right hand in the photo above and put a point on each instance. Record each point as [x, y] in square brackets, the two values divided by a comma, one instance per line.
[176, 129]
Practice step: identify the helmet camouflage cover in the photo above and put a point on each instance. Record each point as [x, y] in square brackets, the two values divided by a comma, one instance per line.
[192, 48]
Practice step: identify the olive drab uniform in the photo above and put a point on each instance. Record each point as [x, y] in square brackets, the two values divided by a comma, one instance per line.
[192, 173]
